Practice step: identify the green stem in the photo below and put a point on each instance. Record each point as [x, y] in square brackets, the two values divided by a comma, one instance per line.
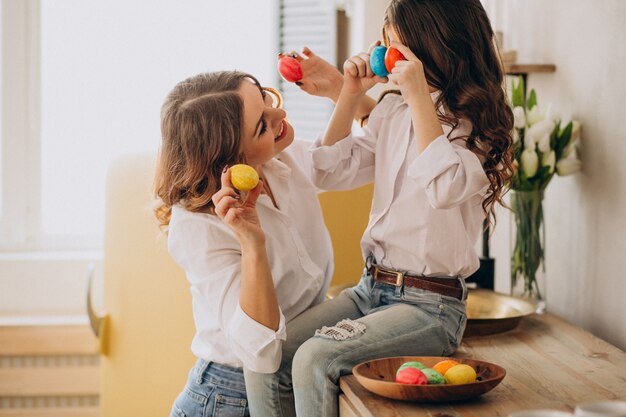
[528, 252]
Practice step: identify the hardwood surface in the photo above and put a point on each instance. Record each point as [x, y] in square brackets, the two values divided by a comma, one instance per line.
[550, 363]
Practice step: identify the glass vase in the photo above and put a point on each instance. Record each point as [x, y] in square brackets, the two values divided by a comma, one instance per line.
[528, 275]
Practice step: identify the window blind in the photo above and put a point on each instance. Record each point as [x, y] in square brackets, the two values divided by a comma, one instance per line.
[311, 23]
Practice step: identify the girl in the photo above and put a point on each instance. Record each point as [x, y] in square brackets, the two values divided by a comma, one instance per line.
[253, 261]
[439, 154]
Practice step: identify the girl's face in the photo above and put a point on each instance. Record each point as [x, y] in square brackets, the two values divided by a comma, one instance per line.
[390, 35]
[266, 131]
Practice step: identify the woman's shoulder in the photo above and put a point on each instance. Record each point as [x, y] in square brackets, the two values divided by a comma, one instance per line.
[185, 222]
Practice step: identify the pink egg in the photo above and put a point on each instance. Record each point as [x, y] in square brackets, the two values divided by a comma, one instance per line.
[290, 69]
[411, 376]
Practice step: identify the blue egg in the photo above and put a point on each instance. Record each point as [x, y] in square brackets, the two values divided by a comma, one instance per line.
[377, 61]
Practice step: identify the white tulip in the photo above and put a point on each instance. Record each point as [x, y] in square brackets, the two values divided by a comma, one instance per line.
[569, 150]
[551, 114]
[530, 162]
[529, 142]
[549, 160]
[544, 143]
[568, 166]
[543, 127]
[515, 135]
[534, 115]
[519, 116]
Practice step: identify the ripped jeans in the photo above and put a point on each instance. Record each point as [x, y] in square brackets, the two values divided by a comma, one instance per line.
[398, 321]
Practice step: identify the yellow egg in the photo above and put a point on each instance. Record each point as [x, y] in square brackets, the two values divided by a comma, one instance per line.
[460, 374]
[243, 177]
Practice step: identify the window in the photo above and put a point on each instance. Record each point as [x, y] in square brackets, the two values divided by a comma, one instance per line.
[87, 82]
[311, 23]
[82, 83]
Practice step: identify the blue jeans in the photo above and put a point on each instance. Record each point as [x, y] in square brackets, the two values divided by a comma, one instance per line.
[398, 321]
[212, 390]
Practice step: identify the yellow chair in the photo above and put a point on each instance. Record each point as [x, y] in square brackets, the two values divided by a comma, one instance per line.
[147, 332]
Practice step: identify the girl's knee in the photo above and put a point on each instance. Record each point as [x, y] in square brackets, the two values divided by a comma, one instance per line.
[313, 356]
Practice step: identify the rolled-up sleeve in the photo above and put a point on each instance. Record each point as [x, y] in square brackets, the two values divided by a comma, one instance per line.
[450, 173]
[212, 259]
[258, 347]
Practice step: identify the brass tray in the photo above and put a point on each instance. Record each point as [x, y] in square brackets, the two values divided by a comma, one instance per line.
[489, 312]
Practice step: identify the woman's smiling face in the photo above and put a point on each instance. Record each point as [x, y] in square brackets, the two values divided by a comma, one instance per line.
[266, 131]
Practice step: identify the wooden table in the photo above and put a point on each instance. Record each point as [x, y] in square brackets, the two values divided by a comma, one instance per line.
[550, 363]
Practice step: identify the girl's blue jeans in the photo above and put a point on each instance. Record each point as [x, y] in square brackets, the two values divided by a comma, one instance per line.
[399, 321]
[212, 390]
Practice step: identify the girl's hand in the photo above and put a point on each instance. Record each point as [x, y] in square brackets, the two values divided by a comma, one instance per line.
[357, 73]
[320, 78]
[240, 216]
[409, 75]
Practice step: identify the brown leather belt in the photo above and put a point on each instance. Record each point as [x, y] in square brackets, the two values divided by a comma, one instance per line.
[450, 287]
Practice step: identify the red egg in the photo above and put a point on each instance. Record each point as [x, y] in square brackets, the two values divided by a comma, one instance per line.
[411, 376]
[391, 57]
[290, 69]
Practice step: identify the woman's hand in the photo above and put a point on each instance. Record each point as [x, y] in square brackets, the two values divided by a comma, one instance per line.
[409, 75]
[320, 78]
[357, 73]
[240, 216]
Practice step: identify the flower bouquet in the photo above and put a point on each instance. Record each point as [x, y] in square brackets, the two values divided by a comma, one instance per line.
[543, 146]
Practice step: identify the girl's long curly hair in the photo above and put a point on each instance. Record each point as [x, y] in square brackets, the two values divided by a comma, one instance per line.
[201, 129]
[455, 42]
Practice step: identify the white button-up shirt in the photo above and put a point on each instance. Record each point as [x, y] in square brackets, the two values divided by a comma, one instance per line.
[300, 257]
[426, 213]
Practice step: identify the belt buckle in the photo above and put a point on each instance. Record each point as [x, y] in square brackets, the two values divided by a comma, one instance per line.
[399, 275]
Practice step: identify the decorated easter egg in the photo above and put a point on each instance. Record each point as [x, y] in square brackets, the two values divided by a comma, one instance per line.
[460, 374]
[412, 364]
[443, 366]
[391, 57]
[412, 376]
[433, 376]
[377, 61]
[243, 177]
[290, 69]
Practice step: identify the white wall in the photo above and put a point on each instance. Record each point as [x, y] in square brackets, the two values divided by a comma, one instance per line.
[585, 215]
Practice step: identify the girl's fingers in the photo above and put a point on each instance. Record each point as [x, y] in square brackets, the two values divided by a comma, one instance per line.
[351, 69]
[368, 69]
[360, 65]
[372, 46]
[382, 80]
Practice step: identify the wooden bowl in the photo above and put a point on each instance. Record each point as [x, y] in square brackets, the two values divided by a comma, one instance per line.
[378, 376]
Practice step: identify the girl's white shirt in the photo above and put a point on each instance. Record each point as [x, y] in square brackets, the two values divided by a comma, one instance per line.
[426, 213]
[300, 257]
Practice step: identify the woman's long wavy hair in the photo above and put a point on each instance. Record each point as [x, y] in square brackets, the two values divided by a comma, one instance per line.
[455, 42]
[201, 128]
